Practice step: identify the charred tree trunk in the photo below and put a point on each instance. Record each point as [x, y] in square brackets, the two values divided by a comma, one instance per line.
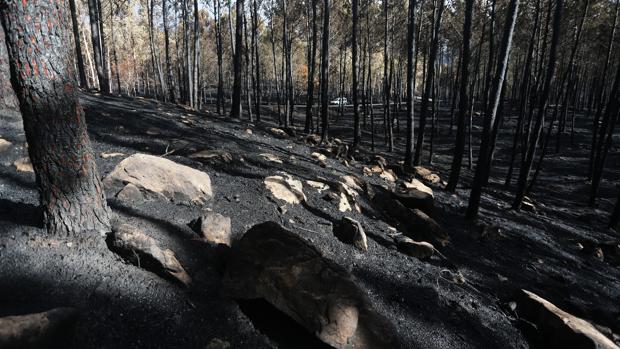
[483, 166]
[410, 84]
[71, 192]
[237, 62]
[78, 45]
[311, 70]
[429, 81]
[357, 130]
[542, 105]
[459, 148]
[170, 77]
[220, 53]
[93, 11]
[325, 71]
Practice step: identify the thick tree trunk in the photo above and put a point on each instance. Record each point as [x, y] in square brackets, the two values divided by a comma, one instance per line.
[237, 62]
[459, 148]
[71, 192]
[257, 87]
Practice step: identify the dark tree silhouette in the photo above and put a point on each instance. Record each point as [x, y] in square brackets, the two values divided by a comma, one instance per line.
[235, 111]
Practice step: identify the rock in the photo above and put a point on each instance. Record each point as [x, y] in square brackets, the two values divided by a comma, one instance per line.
[351, 232]
[369, 171]
[414, 194]
[318, 156]
[217, 343]
[39, 330]
[212, 155]
[388, 175]
[159, 178]
[248, 131]
[142, 250]
[427, 176]
[278, 132]
[213, 227]
[153, 131]
[558, 329]
[380, 161]
[313, 139]
[23, 165]
[271, 157]
[319, 186]
[110, 155]
[4, 144]
[414, 223]
[130, 193]
[285, 188]
[276, 265]
[417, 249]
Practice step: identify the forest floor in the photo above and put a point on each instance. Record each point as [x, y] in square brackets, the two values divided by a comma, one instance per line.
[122, 305]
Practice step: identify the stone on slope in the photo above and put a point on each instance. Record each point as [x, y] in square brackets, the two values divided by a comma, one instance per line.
[278, 132]
[412, 222]
[351, 232]
[276, 265]
[106, 155]
[4, 144]
[415, 194]
[417, 249]
[159, 178]
[271, 158]
[427, 176]
[213, 227]
[23, 165]
[212, 155]
[142, 250]
[39, 330]
[557, 328]
[284, 187]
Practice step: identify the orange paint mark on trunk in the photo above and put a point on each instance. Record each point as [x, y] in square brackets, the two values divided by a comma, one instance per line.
[24, 3]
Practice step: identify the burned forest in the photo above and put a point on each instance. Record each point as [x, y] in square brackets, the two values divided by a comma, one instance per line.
[310, 174]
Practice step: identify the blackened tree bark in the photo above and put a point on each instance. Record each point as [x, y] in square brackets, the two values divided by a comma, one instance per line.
[78, 45]
[257, 87]
[543, 97]
[220, 53]
[325, 70]
[615, 215]
[196, 68]
[312, 69]
[428, 82]
[357, 130]
[93, 11]
[410, 83]
[235, 111]
[459, 148]
[169, 76]
[70, 190]
[483, 166]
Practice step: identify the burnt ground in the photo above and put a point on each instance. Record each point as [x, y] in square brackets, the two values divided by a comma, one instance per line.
[122, 305]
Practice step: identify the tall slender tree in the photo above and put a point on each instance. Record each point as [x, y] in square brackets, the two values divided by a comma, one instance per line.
[459, 148]
[410, 82]
[78, 45]
[484, 166]
[325, 71]
[235, 111]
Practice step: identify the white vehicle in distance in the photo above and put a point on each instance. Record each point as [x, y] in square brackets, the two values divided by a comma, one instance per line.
[339, 101]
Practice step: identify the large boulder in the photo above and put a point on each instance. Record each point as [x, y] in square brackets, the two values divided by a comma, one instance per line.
[40, 330]
[556, 328]
[414, 223]
[286, 188]
[142, 250]
[415, 194]
[160, 179]
[276, 265]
